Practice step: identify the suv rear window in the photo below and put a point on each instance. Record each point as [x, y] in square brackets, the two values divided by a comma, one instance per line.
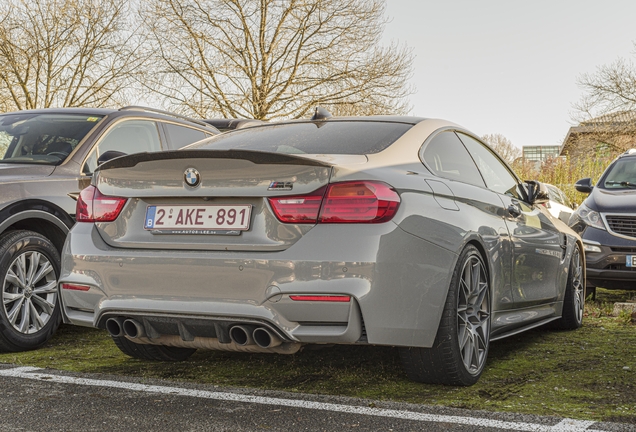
[331, 137]
[45, 139]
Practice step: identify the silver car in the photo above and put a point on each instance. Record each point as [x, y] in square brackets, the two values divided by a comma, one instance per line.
[47, 156]
[396, 231]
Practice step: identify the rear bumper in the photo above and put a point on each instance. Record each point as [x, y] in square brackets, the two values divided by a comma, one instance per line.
[383, 272]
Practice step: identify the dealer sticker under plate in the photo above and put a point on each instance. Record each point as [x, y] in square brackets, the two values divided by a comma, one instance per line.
[631, 261]
[198, 219]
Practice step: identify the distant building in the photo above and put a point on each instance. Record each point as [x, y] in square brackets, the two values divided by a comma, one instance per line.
[540, 153]
[609, 133]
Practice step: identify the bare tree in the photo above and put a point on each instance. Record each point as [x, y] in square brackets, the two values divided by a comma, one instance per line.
[65, 53]
[271, 59]
[612, 88]
[503, 146]
[607, 111]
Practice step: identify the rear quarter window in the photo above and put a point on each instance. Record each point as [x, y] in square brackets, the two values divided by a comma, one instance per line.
[181, 136]
[331, 137]
[446, 156]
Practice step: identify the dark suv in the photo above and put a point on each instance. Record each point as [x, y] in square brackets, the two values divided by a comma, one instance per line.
[46, 158]
[606, 221]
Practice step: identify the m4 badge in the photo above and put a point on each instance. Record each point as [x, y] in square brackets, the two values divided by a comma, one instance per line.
[280, 186]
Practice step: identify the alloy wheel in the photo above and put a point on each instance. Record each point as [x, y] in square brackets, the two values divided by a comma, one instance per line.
[29, 292]
[578, 290]
[473, 315]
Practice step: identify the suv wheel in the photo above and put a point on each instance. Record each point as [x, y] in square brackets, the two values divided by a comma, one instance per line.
[30, 311]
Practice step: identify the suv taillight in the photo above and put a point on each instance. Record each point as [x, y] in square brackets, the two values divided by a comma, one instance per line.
[344, 202]
[92, 206]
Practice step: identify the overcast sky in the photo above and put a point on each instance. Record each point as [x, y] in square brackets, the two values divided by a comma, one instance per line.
[508, 66]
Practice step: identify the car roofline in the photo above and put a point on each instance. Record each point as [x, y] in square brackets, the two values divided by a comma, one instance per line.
[126, 111]
[371, 119]
[65, 110]
[361, 119]
[164, 113]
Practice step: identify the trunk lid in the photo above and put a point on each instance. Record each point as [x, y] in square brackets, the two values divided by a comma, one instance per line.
[232, 179]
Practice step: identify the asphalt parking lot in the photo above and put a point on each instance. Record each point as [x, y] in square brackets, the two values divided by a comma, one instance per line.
[39, 399]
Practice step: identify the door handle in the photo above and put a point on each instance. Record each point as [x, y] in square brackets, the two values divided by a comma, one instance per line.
[514, 211]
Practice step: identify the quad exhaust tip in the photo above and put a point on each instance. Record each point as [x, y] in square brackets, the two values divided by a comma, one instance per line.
[265, 338]
[247, 335]
[118, 327]
[242, 335]
[115, 326]
[133, 329]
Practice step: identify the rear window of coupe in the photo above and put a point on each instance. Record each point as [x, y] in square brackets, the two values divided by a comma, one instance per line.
[331, 137]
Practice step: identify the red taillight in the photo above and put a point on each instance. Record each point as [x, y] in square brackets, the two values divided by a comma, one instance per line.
[345, 202]
[359, 202]
[92, 206]
[325, 298]
[299, 209]
[75, 287]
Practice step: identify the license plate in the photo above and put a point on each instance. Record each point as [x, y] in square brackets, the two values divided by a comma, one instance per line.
[198, 219]
[631, 261]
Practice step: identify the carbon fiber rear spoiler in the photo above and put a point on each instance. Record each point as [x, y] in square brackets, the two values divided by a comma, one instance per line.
[257, 157]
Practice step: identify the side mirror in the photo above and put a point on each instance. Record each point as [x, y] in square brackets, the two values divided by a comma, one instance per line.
[584, 185]
[537, 192]
[109, 155]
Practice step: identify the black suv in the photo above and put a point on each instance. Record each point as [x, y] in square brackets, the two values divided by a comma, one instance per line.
[46, 158]
[606, 221]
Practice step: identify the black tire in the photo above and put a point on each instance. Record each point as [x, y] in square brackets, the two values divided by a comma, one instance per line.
[152, 352]
[31, 314]
[446, 362]
[574, 300]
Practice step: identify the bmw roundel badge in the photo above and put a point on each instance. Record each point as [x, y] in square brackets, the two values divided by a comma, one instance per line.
[192, 177]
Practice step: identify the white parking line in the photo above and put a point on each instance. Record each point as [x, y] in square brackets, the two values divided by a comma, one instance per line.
[563, 426]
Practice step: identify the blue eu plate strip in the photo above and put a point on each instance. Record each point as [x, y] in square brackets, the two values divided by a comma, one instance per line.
[150, 217]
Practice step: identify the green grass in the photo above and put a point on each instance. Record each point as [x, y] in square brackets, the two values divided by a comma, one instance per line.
[585, 374]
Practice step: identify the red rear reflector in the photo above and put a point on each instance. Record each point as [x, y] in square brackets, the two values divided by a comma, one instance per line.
[344, 202]
[75, 287]
[92, 206]
[324, 298]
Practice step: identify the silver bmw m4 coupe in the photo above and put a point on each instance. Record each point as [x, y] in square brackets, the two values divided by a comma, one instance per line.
[398, 231]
